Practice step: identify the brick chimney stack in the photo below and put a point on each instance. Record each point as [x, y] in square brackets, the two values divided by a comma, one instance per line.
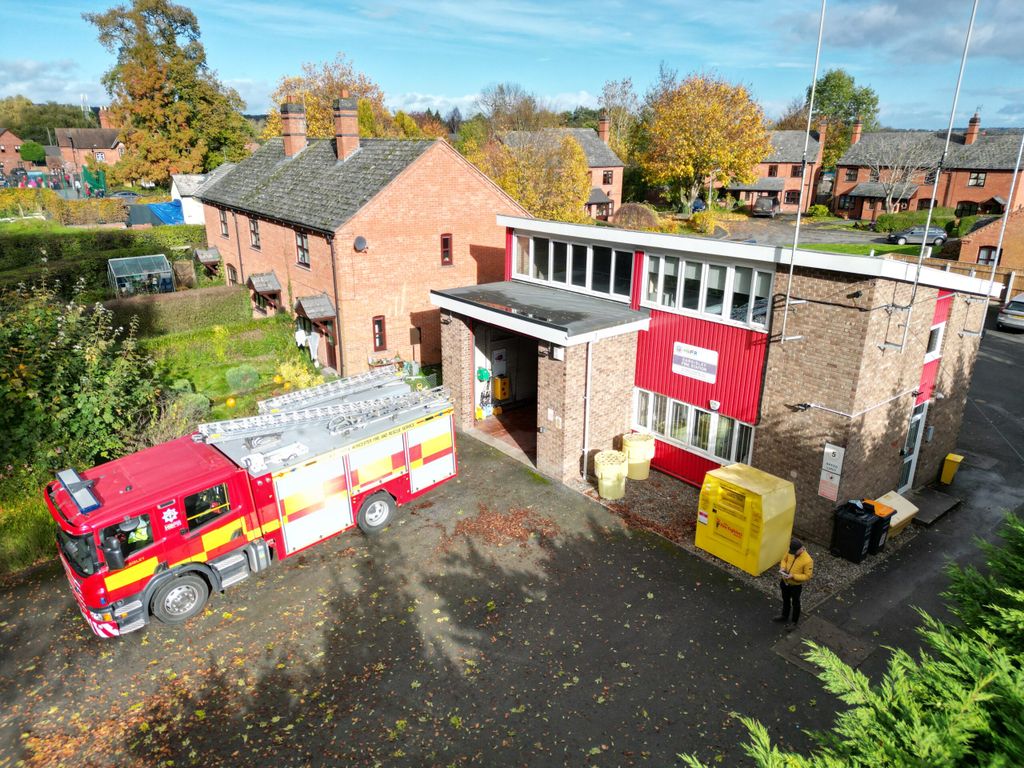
[293, 127]
[857, 128]
[346, 125]
[973, 126]
[603, 126]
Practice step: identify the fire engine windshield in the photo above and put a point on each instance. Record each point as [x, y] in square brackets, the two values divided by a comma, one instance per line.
[79, 551]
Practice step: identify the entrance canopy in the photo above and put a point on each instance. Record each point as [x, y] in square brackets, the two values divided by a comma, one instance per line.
[549, 314]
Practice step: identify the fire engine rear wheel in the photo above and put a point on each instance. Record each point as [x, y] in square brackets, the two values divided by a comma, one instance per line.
[376, 512]
[180, 599]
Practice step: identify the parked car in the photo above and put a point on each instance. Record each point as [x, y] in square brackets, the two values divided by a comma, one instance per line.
[698, 206]
[1012, 315]
[765, 206]
[935, 236]
[128, 197]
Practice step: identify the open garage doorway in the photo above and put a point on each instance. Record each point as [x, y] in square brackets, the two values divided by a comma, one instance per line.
[505, 390]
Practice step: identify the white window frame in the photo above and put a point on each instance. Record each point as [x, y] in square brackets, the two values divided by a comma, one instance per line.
[941, 328]
[701, 311]
[568, 284]
[101, 157]
[691, 422]
[223, 219]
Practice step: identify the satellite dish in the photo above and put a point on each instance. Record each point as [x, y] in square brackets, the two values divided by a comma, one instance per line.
[360, 244]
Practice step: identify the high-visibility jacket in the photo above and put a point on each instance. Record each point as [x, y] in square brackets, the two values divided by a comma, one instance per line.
[799, 567]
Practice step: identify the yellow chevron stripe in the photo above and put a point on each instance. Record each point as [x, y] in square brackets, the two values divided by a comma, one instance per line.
[131, 574]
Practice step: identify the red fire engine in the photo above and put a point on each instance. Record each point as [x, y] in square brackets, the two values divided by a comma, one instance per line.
[153, 533]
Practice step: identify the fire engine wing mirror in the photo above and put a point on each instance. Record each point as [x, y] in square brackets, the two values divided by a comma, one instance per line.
[113, 553]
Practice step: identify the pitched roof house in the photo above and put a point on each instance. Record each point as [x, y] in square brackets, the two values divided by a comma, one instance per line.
[976, 176]
[350, 234]
[187, 187]
[10, 151]
[78, 145]
[605, 166]
[779, 174]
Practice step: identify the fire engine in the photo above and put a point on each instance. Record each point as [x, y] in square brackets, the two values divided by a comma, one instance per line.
[154, 532]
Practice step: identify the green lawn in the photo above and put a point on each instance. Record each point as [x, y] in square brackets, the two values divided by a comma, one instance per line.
[862, 249]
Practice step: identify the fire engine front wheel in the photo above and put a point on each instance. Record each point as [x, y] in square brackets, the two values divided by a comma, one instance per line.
[376, 512]
[180, 599]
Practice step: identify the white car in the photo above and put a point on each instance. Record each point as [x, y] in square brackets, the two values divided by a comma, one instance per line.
[1012, 315]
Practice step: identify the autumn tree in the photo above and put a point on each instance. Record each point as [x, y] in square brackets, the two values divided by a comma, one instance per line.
[793, 118]
[510, 107]
[700, 130]
[549, 177]
[317, 88]
[34, 122]
[175, 115]
[621, 105]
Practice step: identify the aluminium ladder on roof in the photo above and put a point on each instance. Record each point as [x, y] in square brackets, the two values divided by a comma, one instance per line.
[330, 390]
[339, 417]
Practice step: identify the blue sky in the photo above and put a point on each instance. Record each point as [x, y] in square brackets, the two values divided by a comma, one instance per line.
[441, 53]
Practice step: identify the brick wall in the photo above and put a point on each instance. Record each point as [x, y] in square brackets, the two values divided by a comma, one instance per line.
[457, 366]
[1013, 241]
[613, 190]
[438, 194]
[10, 157]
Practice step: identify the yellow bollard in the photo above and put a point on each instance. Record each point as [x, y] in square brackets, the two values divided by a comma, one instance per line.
[950, 466]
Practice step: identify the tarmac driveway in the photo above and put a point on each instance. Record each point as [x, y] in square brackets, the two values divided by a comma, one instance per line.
[779, 231]
[433, 644]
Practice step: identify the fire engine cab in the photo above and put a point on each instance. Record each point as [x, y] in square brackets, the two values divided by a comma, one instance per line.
[154, 532]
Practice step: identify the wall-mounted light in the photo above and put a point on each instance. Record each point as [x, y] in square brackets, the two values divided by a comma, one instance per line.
[714, 405]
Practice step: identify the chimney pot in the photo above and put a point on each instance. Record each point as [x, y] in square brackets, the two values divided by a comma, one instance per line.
[293, 126]
[603, 127]
[346, 125]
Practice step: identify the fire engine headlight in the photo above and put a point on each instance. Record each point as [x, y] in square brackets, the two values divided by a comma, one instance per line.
[104, 616]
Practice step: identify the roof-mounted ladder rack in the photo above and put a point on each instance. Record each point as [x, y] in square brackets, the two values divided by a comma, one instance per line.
[330, 390]
[339, 417]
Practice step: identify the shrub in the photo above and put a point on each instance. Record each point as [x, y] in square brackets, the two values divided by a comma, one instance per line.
[818, 211]
[703, 223]
[19, 202]
[636, 216]
[242, 378]
[191, 405]
[298, 375]
[893, 222]
[88, 211]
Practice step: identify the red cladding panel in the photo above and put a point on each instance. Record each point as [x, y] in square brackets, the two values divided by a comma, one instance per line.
[638, 280]
[741, 355]
[510, 238]
[680, 463]
[943, 304]
[929, 373]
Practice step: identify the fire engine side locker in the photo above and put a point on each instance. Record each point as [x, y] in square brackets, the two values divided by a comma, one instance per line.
[431, 452]
[313, 500]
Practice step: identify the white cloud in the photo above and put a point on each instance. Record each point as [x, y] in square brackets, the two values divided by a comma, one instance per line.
[421, 102]
[53, 80]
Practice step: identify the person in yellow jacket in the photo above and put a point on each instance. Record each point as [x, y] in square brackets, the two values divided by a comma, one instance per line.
[796, 569]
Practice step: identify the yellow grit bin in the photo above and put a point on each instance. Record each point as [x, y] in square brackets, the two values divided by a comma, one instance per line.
[745, 517]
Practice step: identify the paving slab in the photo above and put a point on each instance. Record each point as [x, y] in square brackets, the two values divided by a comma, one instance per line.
[850, 648]
[931, 504]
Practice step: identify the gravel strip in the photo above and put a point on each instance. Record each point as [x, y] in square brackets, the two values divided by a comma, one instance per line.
[668, 507]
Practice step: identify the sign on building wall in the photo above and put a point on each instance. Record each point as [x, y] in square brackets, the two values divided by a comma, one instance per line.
[695, 362]
[831, 471]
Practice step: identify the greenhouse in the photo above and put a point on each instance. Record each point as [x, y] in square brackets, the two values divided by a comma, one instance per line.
[140, 274]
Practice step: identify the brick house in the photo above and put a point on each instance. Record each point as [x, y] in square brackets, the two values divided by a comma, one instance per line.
[976, 177]
[779, 174]
[605, 166]
[597, 331]
[81, 146]
[10, 152]
[979, 245]
[349, 234]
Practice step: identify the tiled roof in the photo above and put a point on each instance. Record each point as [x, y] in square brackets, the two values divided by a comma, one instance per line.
[764, 184]
[599, 154]
[788, 147]
[188, 183]
[87, 138]
[265, 282]
[210, 178]
[318, 307]
[598, 196]
[990, 152]
[312, 188]
[877, 189]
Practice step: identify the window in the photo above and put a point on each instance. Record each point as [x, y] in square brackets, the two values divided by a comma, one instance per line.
[232, 275]
[693, 278]
[845, 203]
[254, 233]
[608, 177]
[446, 250]
[773, 170]
[202, 507]
[852, 174]
[540, 258]
[792, 197]
[987, 254]
[559, 262]
[714, 300]
[925, 204]
[873, 174]
[262, 302]
[380, 336]
[622, 277]
[522, 261]
[579, 265]
[594, 268]
[601, 271]
[670, 282]
[302, 249]
[796, 171]
[976, 179]
[223, 223]
[929, 177]
[101, 157]
[740, 294]
[715, 435]
[934, 350]
[762, 295]
[966, 208]
[134, 534]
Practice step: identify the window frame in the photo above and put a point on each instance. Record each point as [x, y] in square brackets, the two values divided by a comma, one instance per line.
[232, 274]
[642, 419]
[254, 233]
[773, 170]
[797, 171]
[570, 284]
[852, 174]
[224, 223]
[224, 508]
[792, 197]
[988, 255]
[845, 203]
[302, 249]
[977, 178]
[447, 250]
[608, 177]
[379, 336]
[940, 337]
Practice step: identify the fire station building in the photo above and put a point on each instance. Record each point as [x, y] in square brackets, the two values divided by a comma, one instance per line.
[598, 331]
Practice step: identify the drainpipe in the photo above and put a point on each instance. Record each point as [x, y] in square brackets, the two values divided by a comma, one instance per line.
[238, 247]
[586, 409]
[337, 306]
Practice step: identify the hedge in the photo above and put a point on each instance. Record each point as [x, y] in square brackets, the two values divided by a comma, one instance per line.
[183, 311]
[23, 249]
[893, 222]
[90, 210]
[16, 201]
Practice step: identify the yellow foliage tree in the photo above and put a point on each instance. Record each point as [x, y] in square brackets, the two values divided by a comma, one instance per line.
[550, 177]
[700, 130]
[317, 88]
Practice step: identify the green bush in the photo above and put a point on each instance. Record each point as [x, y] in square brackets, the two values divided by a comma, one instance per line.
[241, 378]
[818, 211]
[961, 227]
[893, 222]
[191, 405]
[163, 313]
[702, 223]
